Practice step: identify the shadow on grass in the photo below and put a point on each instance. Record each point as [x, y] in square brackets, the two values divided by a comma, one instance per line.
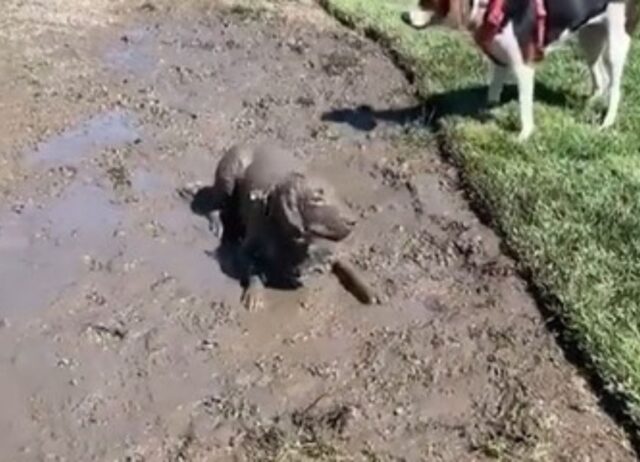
[468, 102]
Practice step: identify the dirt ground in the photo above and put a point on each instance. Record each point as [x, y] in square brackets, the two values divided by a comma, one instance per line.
[121, 338]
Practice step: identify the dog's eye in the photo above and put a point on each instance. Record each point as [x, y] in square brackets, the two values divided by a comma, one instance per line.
[318, 197]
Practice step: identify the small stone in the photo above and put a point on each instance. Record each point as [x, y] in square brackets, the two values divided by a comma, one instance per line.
[206, 345]
[148, 7]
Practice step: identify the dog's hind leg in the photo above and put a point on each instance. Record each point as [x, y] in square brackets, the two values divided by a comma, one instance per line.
[525, 75]
[618, 44]
[497, 77]
[592, 41]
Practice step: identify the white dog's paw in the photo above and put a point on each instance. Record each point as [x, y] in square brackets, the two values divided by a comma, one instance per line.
[525, 134]
[608, 122]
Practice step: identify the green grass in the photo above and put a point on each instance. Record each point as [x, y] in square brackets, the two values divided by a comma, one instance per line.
[567, 202]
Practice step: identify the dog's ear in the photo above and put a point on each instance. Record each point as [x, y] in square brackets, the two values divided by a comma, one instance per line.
[286, 204]
[324, 214]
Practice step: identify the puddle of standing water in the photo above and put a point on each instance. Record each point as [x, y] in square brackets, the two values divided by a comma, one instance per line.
[149, 183]
[110, 129]
[130, 54]
[42, 249]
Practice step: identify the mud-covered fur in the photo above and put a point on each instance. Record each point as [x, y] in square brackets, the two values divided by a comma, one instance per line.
[603, 29]
[284, 219]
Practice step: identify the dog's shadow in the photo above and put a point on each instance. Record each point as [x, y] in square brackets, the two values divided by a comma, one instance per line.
[228, 254]
[469, 102]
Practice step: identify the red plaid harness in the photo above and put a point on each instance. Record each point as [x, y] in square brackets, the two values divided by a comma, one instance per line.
[534, 50]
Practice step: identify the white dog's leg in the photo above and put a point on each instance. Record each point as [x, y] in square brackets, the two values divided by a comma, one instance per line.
[525, 75]
[507, 44]
[601, 80]
[618, 46]
[498, 76]
[592, 41]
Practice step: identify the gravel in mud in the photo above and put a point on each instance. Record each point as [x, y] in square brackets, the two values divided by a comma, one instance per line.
[121, 335]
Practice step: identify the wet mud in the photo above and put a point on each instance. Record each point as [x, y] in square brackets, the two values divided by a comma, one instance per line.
[122, 338]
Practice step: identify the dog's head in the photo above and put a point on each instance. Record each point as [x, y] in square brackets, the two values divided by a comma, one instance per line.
[455, 13]
[307, 208]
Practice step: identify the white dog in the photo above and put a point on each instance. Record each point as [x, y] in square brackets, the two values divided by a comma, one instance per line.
[517, 33]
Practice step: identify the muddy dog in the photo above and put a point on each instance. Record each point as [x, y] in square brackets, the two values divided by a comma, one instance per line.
[517, 33]
[285, 221]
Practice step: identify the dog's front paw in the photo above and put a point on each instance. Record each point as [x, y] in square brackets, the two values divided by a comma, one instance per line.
[607, 123]
[525, 134]
[215, 224]
[186, 193]
[253, 298]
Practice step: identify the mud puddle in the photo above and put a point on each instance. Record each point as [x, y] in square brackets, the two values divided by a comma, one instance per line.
[47, 245]
[46, 242]
[123, 337]
[110, 129]
[131, 54]
[43, 248]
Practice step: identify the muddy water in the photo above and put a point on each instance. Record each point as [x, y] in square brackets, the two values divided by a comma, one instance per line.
[46, 245]
[42, 248]
[131, 54]
[107, 130]
[121, 333]
[43, 244]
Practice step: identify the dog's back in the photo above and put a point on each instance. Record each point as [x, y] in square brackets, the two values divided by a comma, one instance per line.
[269, 165]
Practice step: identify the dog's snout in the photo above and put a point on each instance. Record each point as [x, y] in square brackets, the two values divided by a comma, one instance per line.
[406, 17]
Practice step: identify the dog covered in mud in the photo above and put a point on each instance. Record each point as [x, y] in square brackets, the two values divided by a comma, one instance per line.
[285, 221]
